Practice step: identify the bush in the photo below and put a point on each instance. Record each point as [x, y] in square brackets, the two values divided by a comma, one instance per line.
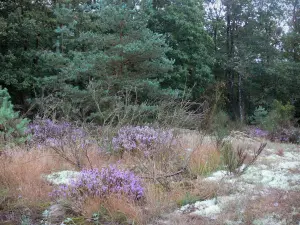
[141, 138]
[230, 157]
[220, 127]
[12, 127]
[290, 135]
[234, 159]
[67, 140]
[257, 132]
[258, 116]
[279, 117]
[110, 180]
[180, 114]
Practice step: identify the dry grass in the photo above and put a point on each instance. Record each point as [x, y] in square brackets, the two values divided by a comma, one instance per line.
[21, 170]
[285, 204]
[204, 160]
[21, 173]
[160, 201]
[115, 206]
[22, 186]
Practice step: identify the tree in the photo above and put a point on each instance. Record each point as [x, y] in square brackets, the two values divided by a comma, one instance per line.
[25, 32]
[183, 24]
[250, 51]
[12, 127]
[106, 45]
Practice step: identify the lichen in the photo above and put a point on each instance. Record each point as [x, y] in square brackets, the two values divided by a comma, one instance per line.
[62, 177]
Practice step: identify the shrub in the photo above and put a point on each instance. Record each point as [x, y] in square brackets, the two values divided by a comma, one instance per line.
[12, 127]
[68, 141]
[180, 114]
[259, 116]
[110, 180]
[141, 138]
[234, 159]
[220, 127]
[230, 157]
[290, 135]
[279, 117]
[257, 132]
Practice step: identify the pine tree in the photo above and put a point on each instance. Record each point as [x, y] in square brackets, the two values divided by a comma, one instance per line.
[12, 127]
[107, 45]
[192, 49]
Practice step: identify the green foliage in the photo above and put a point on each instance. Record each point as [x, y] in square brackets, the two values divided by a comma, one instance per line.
[220, 126]
[234, 158]
[54, 51]
[229, 157]
[12, 127]
[25, 32]
[107, 57]
[188, 199]
[280, 116]
[259, 116]
[191, 46]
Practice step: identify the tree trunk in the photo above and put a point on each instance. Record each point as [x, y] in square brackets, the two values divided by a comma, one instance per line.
[230, 53]
[240, 88]
[295, 26]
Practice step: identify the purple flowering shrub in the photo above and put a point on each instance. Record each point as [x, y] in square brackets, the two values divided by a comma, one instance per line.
[109, 180]
[141, 138]
[257, 132]
[47, 132]
[154, 152]
[291, 135]
[66, 139]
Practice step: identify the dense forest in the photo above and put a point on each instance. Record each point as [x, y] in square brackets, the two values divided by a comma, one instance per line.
[82, 59]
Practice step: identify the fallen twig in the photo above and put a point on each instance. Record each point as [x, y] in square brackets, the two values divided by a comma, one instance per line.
[165, 176]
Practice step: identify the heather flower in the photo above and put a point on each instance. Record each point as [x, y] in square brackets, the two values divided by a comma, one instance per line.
[65, 139]
[48, 133]
[257, 132]
[110, 180]
[141, 138]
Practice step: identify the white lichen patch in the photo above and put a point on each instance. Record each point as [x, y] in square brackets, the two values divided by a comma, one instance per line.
[269, 219]
[271, 178]
[62, 177]
[206, 208]
[292, 155]
[289, 165]
[209, 208]
[216, 176]
[273, 158]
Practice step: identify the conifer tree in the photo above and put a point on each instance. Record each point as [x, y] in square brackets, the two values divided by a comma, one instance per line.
[105, 45]
[12, 127]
